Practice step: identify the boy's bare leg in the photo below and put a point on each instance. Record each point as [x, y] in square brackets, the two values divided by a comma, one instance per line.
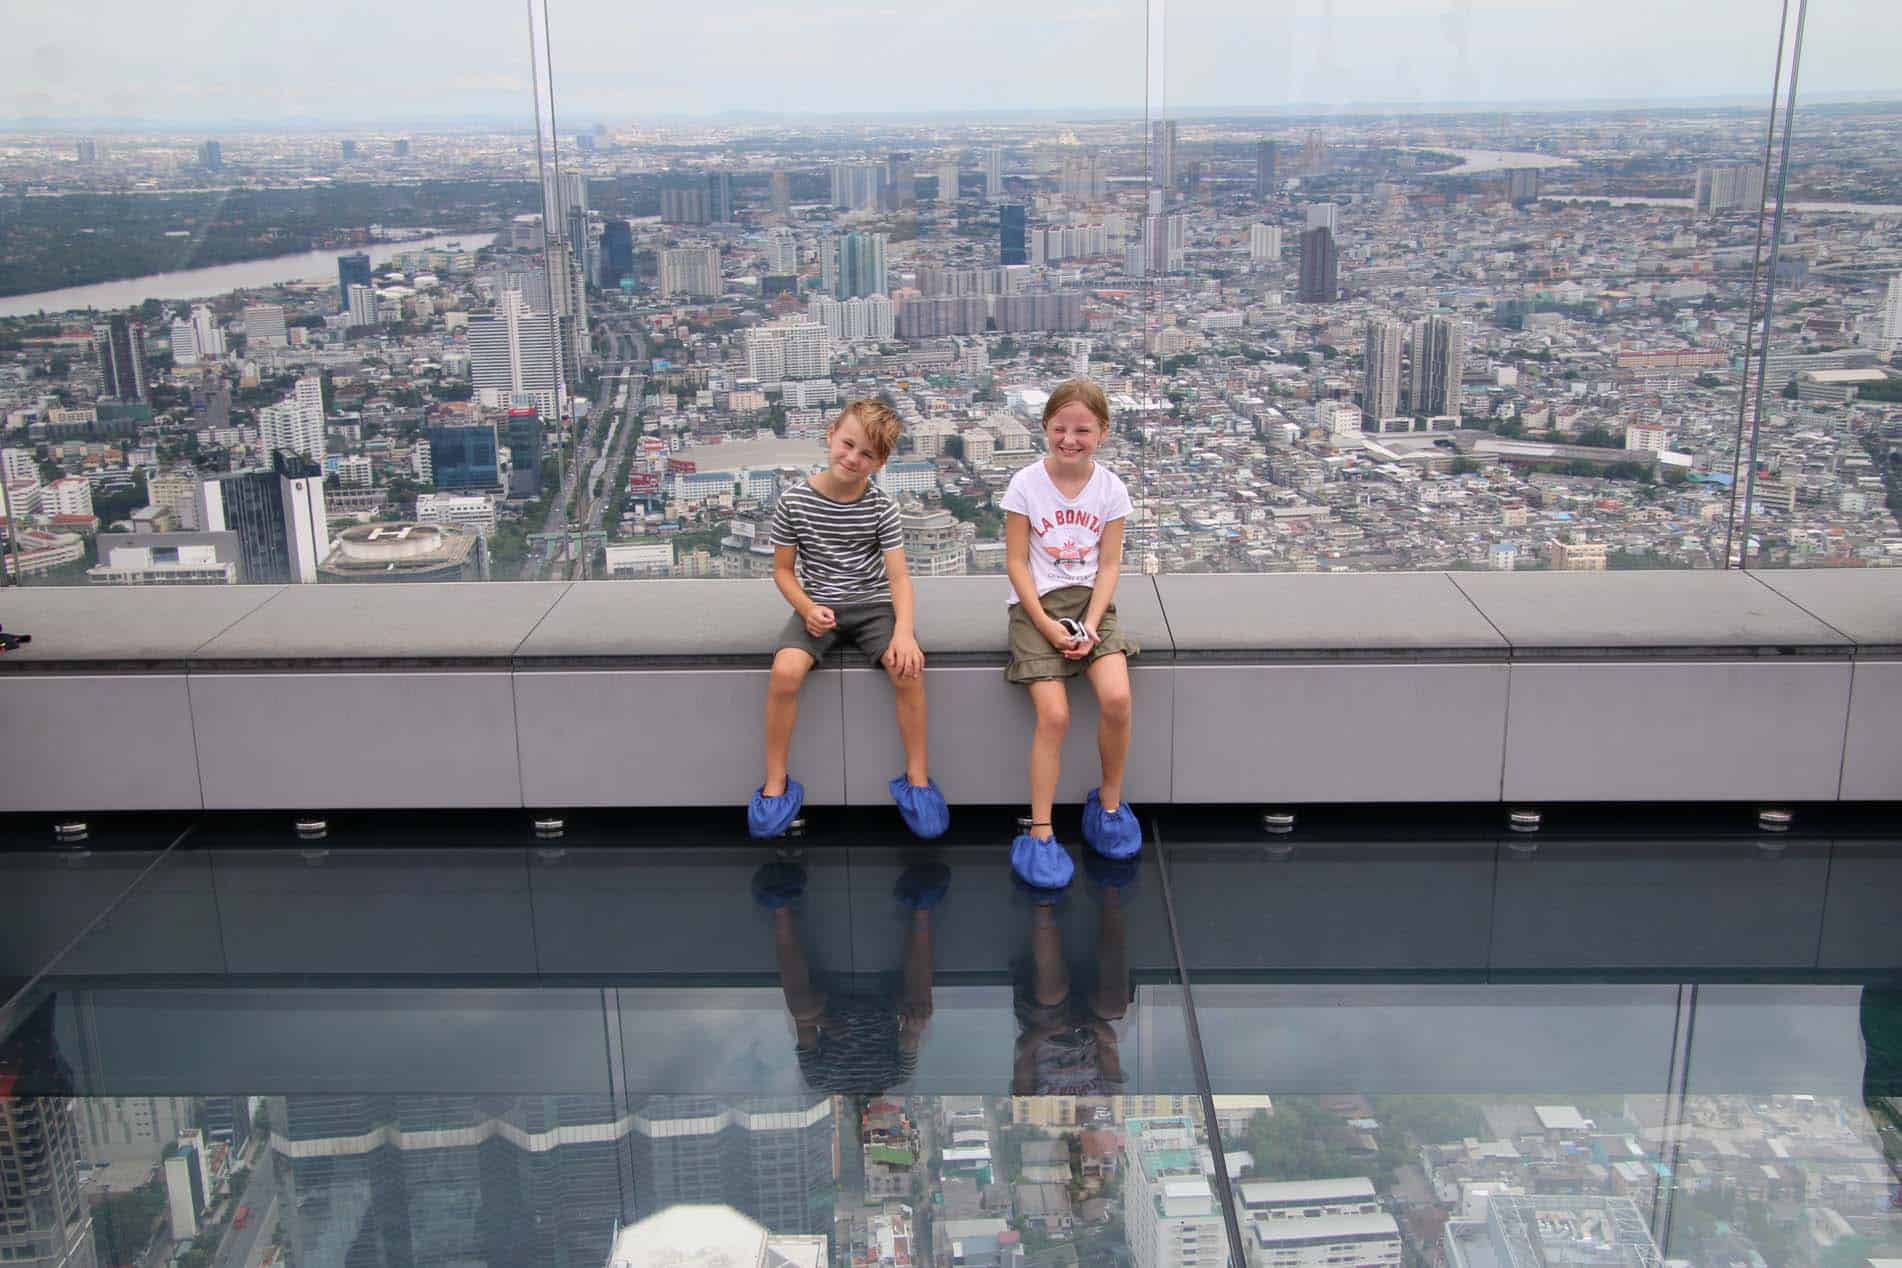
[909, 694]
[1110, 676]
[790, 668]
[1052, 700]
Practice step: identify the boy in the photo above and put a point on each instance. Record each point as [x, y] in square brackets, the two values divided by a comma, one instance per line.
[839, 558]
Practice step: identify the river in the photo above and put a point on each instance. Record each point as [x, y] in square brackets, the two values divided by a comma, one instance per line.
[221, 279]
[1831, 209]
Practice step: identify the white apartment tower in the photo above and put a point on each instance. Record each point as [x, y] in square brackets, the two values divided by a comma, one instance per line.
[690, 271]
[1439, 357]
[1892, 317]
[295, 424]
[1171, 1214]
[1264, 243]
[994, 173]
[513, 350]
[947, 183]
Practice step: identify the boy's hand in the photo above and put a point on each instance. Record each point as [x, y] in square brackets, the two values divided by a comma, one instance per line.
[819, 619]
[904, 657]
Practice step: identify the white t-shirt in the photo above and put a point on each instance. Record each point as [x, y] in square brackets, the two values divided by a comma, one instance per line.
[1066, 534]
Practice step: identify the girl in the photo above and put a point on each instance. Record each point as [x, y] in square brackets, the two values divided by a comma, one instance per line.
[1063, 543]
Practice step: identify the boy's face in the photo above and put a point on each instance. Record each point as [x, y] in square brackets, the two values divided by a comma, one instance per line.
[849, 451]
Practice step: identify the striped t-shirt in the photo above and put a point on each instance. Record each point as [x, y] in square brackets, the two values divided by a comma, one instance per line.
[841, 545]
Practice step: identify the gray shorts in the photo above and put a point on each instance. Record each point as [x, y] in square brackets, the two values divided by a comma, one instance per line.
[866, 626]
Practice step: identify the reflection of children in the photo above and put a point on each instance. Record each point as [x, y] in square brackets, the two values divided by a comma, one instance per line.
[1069, 1041]
[839, 560]
[1063, 549]
[849, 1042]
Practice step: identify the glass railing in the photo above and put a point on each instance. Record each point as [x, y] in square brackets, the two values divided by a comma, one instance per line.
[1408, 1041]
[1435, 293]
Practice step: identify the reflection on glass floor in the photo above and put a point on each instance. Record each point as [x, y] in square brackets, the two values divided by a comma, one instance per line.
[405, 1047]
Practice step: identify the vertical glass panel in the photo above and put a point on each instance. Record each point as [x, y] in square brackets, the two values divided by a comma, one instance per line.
[1445, 301]
[1823, 486]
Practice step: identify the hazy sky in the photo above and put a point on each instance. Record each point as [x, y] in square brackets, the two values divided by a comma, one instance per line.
[354, 60]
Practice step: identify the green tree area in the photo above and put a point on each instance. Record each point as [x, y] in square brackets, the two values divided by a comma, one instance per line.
[1890, 464]
[122, 1223]
[1887, 390]
[989, 520]
[1602, 471]
[77, 239]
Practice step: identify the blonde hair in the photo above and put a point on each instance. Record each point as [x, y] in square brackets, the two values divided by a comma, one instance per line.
[1073, 390]
[880, 421]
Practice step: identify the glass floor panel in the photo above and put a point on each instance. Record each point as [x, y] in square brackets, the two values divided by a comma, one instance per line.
[1375, 1041]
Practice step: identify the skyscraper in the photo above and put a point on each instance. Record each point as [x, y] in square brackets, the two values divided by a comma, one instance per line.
[617, 253]
[278, 515]
[44, 1219]
[401, 148]
[994, 173]
[362, 306]
[901, 181]
[720, 196]
[569, 291]
[1522, 186]
[1264, 243]
[523, 436]
[1012, 246]
[1173, 1218]
[947, 184]
[1320, 267]
[1325, 215]
[1380, 384]
[693, 271]
[683, 201]
[264, 326]
[1266, 153]
[856, 186]
[511, 351]
[1162, 154]
[296, 424]
[87, 150]
[780, 192]
[858, 265]
[1892, 315]
[1439, 357]
[119, 345]
[352, 270]
[211, 156]
[348, 150]
[1728, 187]
[1081, 178]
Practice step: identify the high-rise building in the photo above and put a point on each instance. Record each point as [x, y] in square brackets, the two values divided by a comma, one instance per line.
[1320, 267]
[684, 201]
[1170, 1212]
[1522, 186]
[1728, 187]
[1082, 178]
[211, 334]
[1326, 216]
[901, 182]
[211, 156]
[87, 150]
[994, 173]
[1380, 384]
[1266, 153]
[514, 350]
[465, 456]
[264, 326]
[857, 265]
[296, 424]
[562, 196]
[779, 193]
[361, 305]
[522, 433]
[187, 1188]
[348, 150]
[1264, 243]
[1314, 154]
[1165, 238]
[352, 270]
[278, 515]
[856, 186]
[1162, 154]
[185, 343]
[1012, 248]
[947, 184]
[119, 345]
[690, 271]
[793, 348]
[400, 148]
[45, 1221]
[1892, 316]
[720, 196]
[1439, 357]
[569, 290]
[617, 253]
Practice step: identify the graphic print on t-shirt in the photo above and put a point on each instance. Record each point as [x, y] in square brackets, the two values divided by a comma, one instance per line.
[1057, 538]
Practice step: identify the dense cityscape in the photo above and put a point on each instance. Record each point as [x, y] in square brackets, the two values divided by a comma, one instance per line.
[1413, 343]
[1346, 343]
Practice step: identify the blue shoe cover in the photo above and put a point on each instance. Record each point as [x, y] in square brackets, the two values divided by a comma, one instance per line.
[923, 808]
[771, 816]
[1113, 835]
[922, 885]
[777, 884]
[1040, 862]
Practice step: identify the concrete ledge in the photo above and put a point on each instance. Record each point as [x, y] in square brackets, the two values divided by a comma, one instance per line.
[1333, 688]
